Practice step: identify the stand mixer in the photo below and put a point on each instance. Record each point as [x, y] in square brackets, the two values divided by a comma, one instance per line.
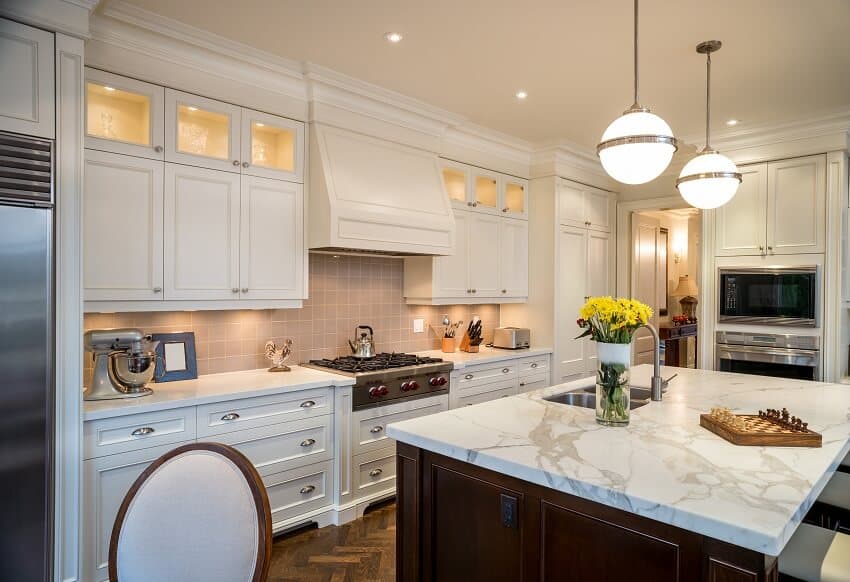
[124, 361]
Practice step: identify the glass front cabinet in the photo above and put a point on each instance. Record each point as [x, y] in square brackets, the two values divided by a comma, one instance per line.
[272, 147]
[472, 188]
[202, 132]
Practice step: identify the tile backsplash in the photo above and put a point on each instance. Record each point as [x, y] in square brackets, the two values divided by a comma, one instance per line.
[344, 291]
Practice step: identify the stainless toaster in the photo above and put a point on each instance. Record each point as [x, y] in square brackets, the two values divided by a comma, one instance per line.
[511, 338]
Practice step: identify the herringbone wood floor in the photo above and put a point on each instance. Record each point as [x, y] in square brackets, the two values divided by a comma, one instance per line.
[360, 551]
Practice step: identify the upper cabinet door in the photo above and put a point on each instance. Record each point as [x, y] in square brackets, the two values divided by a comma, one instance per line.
[124, 115]
[740, 224]
[571, 210]
[451, 273]
[27, 100]
[484, 256]
[513, 258]
[201, 233]
[485, 191]
[271, 245]
[456, 182]
[597, 210]
[272, 147]
[514, 197]
[202, 132]
[122, 241]
[796, 206]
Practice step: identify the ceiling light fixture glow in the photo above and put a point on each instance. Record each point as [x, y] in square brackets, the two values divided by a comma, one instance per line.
[710, 180]
[393, 37]
[638, 146]
[521, 94]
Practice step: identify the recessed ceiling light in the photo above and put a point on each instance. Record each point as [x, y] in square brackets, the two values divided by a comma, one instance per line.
[110, 89]
[190, 108]
[521, 94]
[393, 37]
[731, 122]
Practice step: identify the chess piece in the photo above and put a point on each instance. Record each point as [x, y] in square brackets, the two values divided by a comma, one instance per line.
[278, 356]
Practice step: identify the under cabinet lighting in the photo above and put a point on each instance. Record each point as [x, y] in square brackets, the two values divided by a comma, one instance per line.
[190, 108]
[521, 94]
[393, 37]
[732, 122]
[259, 125]
[110, 89]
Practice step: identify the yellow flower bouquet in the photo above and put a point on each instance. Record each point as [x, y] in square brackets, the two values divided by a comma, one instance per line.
[612, 324]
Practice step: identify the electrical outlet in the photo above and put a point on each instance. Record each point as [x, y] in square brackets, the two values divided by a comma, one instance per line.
[418, 325]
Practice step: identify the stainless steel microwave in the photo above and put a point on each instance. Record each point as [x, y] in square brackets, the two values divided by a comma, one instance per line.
[769, 296]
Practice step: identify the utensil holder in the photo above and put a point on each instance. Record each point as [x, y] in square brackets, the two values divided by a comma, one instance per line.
[448, 345]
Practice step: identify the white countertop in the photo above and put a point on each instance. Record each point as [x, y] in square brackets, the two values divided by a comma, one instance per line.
[215, 388]
[663, 465]
[485, 355]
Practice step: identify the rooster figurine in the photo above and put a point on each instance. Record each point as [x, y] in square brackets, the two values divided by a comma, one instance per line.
[279, 355]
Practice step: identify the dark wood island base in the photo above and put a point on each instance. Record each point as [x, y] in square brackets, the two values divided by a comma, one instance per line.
[459, 522]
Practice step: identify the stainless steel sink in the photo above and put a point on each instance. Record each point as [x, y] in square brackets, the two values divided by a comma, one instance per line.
[586, 397]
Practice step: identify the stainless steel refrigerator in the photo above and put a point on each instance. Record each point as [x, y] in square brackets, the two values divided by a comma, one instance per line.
[26, 358]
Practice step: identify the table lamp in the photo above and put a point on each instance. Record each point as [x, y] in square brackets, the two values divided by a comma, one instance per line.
[687, 290]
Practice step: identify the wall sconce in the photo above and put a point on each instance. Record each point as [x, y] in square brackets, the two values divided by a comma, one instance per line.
[679, 247]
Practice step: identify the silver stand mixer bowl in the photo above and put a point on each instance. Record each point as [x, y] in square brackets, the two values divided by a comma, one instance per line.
[124, 362]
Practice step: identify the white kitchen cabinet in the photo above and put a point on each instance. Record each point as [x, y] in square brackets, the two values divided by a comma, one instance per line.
[201, 233]
[484, 256]
[779, 209]
[583, 206]
[202, 132]
[514, 196]
[513, 258]
[485, 190]
[598, 279]
[272, 147]
[271, 247]
[124, 116]
[27, 96]
[572, 357]
[456, 182]
[123, 217]
[451, 273]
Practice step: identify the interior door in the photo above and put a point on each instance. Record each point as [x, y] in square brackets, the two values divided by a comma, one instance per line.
[572, 286]
[452, 271]
[122, 241]
[741, 222]
[513, 257]
[598, 279]
[645, 236]
[201, 233]
[484, 256]
[271, 239]
[796, 206]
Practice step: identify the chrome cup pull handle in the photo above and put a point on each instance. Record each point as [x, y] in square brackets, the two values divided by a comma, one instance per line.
[308, 404]
[308, 442]
[534, 364]
[230, 416]
[376, 429]
[144, 431]
[375, 472]
[469, 377]
[308, 489]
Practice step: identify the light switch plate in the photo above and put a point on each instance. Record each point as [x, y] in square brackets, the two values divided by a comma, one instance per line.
[418, 325]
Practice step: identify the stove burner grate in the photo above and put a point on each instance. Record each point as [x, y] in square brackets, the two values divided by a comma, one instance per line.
[383, 361]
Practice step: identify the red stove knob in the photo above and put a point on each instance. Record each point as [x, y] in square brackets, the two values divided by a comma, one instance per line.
[405, 386]
[435, 381]
[412, 385]
[443, 381]
[378, 391]
[384, 390]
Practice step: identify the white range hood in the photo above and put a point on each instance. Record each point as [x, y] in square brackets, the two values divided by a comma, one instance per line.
[375, 196]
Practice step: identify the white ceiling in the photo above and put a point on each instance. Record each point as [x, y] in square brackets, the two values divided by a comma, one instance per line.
[782, 60]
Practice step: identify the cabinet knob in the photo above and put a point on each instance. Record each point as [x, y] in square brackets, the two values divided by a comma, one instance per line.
[245, 164]
[230, 416]
[308, 442]
[244, 289]
[308, 404]
[505, 209]
[158, 149]
[504, 290]
[235, 290]
[474, 204]
[475, 290]
[469, 204]
[144, 431]
[375, 472]
[505, 370]
[157, 289]
[522, 384]
[308, 489]
[236, 163]
[376, 429]
[534, 364]
[770, 249]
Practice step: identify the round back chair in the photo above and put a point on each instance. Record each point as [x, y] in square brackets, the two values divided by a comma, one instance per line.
[199, 512]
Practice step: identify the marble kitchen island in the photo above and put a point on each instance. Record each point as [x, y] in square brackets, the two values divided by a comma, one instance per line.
[522, 488]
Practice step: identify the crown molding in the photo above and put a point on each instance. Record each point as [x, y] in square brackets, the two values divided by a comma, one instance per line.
[569, 160]
[69, 17]
[469, 136]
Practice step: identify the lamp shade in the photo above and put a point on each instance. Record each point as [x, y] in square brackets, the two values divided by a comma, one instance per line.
[637, 147]
[686, 288]
[708, 181]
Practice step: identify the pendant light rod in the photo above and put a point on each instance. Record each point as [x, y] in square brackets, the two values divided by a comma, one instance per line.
[706, 48]
[636, 104]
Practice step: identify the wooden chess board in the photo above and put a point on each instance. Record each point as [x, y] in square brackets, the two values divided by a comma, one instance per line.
[759, 432]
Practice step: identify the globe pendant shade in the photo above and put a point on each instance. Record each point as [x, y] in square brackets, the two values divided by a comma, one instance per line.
[646, 158]
[716, 188]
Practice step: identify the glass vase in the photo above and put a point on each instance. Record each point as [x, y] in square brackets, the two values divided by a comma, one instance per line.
[612, 383]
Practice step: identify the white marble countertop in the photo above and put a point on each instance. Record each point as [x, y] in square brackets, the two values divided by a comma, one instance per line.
[663, 465]
[215, 388]
[484, 356]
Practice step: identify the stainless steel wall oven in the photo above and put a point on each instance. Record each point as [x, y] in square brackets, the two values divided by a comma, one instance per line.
[783, 356]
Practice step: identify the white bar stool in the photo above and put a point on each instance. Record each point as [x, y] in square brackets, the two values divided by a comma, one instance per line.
[815, 554]
[837, 491]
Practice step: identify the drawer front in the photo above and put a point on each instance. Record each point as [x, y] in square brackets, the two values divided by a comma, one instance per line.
[533, 365]
[222, 417]
[470, 399]
[374, 472]
[295, 492]
[533, 382]
[494, 384]
[370, 426]
[283, 446]
[476, 376]
[137, 431]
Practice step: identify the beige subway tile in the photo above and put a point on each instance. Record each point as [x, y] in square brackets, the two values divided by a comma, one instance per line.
[217, 349]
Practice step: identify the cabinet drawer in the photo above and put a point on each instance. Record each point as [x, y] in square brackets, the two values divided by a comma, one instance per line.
[222, 417]
[510, 381]
[137, 431]
[298, 491]
[533, 365]
[477, 376]
[374, 472]
[283, 446]
[533, 382]
[370, 425]
[470, 399]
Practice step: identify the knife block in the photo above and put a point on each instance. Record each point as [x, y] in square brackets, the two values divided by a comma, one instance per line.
[465, 345]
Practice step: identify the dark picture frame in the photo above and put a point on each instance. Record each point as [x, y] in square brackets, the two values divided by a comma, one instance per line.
[180, 348]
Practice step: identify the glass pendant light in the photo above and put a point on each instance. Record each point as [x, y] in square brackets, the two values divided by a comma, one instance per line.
[710, 180]
[638, 146]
